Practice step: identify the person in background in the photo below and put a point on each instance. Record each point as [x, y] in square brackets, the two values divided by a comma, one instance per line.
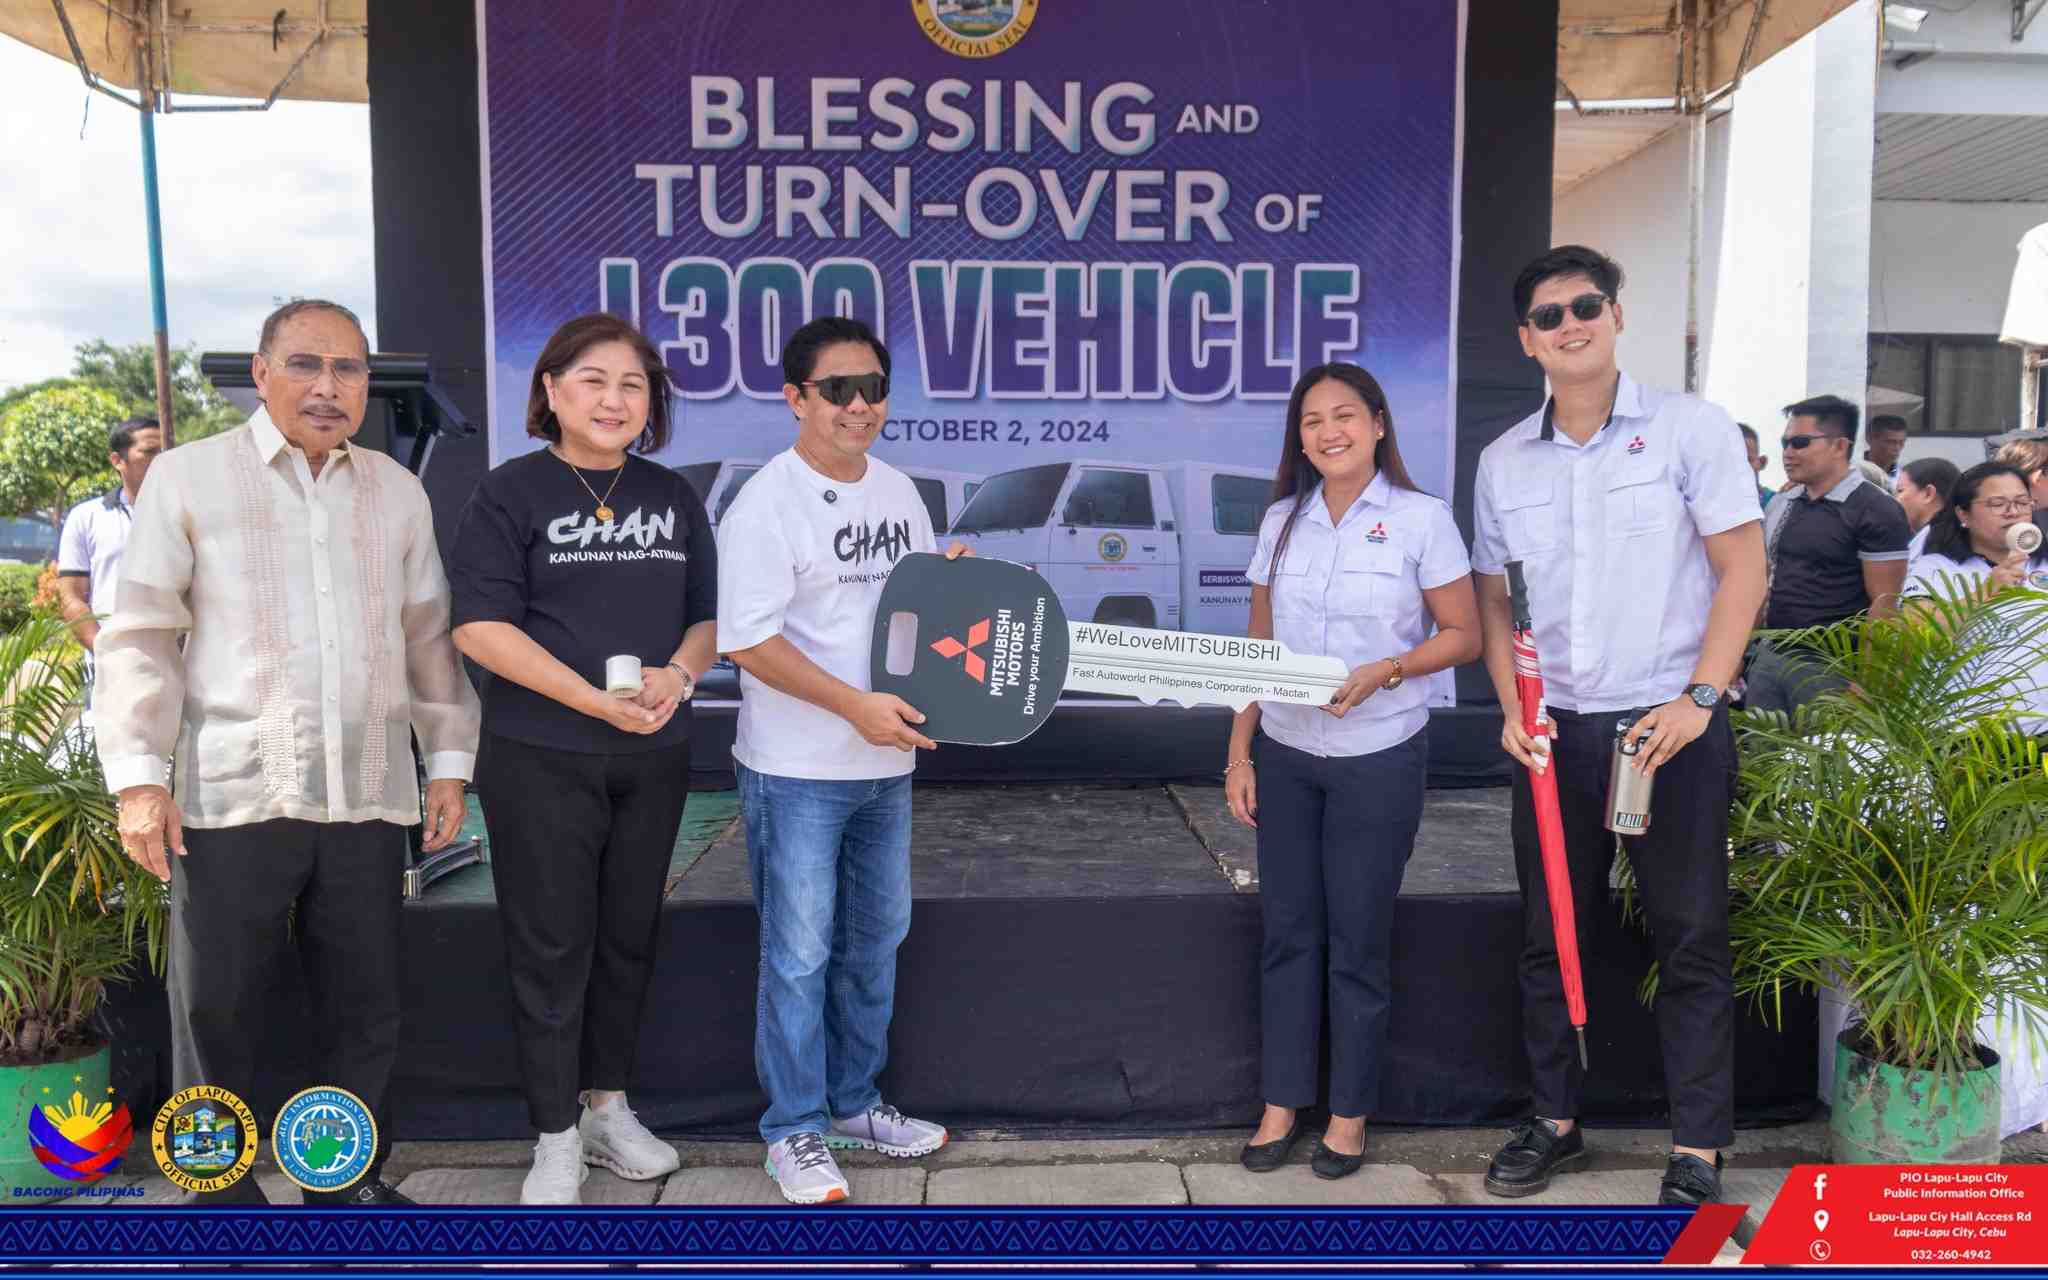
[2031, 457]
[279, 640]
[1836, 546]
[1355, 562]
[565, 558]
[1757, 460]
[1923, 489]
[96, 530]
[1883, 441]
[1633, 514]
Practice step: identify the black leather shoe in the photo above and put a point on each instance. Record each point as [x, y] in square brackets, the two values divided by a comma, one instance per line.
[1332, 1165]
[1523, 1167]
[1268, 1156]
[1690, 1182]
[364, 1195]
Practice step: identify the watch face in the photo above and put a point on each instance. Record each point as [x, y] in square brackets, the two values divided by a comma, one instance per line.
[1704, 695]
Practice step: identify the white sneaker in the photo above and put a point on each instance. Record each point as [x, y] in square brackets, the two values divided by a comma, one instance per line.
[614, 1137]
[885, 1129]
[558, 1170]
[805, 1170]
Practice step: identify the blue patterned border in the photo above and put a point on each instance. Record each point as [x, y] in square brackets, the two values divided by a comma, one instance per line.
[208, 1236]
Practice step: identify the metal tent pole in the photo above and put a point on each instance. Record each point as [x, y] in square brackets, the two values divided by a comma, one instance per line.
[159, 313]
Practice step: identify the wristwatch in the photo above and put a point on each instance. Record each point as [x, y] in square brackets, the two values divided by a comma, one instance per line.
[1394, 681]
[1704, 696]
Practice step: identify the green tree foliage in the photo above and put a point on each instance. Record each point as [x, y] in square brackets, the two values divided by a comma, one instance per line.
[53, 450]
[129, 372]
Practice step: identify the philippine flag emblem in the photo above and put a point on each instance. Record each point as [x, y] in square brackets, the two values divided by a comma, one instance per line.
[80, 1142]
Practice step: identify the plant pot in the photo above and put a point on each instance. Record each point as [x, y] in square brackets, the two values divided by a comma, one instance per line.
[1891, 1115]
[83, 1072]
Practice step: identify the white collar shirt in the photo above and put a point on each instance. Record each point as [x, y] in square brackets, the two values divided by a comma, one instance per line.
[315, 611]
[1611, 536]
[1352, 590]
[90, 546]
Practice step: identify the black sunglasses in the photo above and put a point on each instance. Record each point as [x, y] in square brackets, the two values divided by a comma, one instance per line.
[1796, 443]
[1587, 307]
[842, 388]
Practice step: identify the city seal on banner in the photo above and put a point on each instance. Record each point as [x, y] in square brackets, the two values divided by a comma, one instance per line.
[324, 1139]
[204, 1139]
[975, 28]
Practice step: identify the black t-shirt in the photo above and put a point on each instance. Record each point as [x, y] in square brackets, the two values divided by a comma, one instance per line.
[531, 552]
[1818, 547]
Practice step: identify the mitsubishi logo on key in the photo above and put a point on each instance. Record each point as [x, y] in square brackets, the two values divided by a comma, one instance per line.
[970, 661]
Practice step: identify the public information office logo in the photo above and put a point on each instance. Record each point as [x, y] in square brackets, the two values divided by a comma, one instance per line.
[80, 1141]
[204, 1139]
[975, 28]
[324, 1139]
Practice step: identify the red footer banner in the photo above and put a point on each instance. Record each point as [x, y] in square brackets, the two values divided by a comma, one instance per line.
[1889, 1214]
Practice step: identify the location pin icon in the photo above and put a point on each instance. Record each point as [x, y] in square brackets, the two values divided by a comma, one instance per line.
[1820, 1219]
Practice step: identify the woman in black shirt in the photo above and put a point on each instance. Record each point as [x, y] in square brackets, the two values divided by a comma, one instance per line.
[565, 558]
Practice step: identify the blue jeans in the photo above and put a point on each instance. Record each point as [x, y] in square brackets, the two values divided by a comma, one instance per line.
[831, 867]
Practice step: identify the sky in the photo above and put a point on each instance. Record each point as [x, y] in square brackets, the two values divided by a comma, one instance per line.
[258, 207]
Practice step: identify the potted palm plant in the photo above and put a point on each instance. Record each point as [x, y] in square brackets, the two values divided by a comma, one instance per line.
[75, 913]
[1889, 843]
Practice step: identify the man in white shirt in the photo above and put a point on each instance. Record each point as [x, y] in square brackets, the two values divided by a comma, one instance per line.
[303, 576]
[824, 763]
[95, 531]
[1634, 515]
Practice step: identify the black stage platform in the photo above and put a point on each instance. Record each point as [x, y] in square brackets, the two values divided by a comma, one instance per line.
[1080, 958]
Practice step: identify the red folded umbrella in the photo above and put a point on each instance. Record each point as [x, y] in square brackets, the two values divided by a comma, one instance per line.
[1549, 822]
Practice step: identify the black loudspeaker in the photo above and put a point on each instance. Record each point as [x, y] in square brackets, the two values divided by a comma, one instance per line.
[407, 411]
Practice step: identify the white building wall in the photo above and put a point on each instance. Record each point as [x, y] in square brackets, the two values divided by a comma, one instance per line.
[1944, 268]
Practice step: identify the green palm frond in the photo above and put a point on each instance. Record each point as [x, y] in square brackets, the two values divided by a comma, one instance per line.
[1890, 839]
[75, 911]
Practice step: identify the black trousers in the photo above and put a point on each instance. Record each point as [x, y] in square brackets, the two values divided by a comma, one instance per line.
[580, 845]
[1681, 872]
[340, 886]
[1335, 833]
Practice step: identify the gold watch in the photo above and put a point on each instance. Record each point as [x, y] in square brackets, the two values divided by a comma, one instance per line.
[1394, 681]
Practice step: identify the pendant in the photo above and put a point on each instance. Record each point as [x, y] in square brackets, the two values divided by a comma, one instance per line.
[604, 514]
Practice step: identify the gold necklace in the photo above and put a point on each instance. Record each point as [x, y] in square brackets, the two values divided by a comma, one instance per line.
[604, 513]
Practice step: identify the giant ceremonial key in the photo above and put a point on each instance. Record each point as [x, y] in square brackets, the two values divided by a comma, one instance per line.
[983, 648]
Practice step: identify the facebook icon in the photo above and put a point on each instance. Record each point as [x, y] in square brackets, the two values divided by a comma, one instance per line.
[1820, 1185]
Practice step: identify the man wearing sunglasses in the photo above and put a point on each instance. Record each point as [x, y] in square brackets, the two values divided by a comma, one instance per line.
[1837, 547]
[824, 763]
[1634, 515]
[280, 638]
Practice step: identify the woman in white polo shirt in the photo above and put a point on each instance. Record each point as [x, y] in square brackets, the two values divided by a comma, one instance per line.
[1355, 562]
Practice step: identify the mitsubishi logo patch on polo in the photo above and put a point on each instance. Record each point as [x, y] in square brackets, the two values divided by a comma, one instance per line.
[1378, 533]
[1635, 446]
[970, 661]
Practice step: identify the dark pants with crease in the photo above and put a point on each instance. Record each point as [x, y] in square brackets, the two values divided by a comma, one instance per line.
[340, 884]
[1335, 833]
[580, 846]
[1681, 873]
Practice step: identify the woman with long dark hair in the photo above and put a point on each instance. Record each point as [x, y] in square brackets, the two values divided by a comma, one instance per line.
[571, 561]
[1355, 562]
[1923, 489]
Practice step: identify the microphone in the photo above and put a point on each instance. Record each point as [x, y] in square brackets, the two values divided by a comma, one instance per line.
[2024, 536]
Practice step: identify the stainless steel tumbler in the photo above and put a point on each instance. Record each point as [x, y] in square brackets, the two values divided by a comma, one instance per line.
[1628, 788]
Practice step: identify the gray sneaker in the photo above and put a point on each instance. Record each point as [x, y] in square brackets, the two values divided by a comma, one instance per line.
[805, 1170]
[885, 1129]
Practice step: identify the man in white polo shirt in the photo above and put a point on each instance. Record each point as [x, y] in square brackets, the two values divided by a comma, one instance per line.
[96, 530]
[1633, 513]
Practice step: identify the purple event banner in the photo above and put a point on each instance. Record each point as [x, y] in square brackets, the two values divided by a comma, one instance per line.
[1100, 241]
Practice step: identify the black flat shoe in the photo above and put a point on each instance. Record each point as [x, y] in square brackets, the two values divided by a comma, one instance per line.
[1690, 1182]
[1523, 1167]
[1332, 1165]
[1268, 1156]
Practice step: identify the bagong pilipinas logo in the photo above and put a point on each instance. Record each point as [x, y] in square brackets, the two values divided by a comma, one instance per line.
[324, 1139]
[1113, 547]
[974, 28]
[970, 661]
[80, 1141]
[1378, 533]
[204, 1139]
